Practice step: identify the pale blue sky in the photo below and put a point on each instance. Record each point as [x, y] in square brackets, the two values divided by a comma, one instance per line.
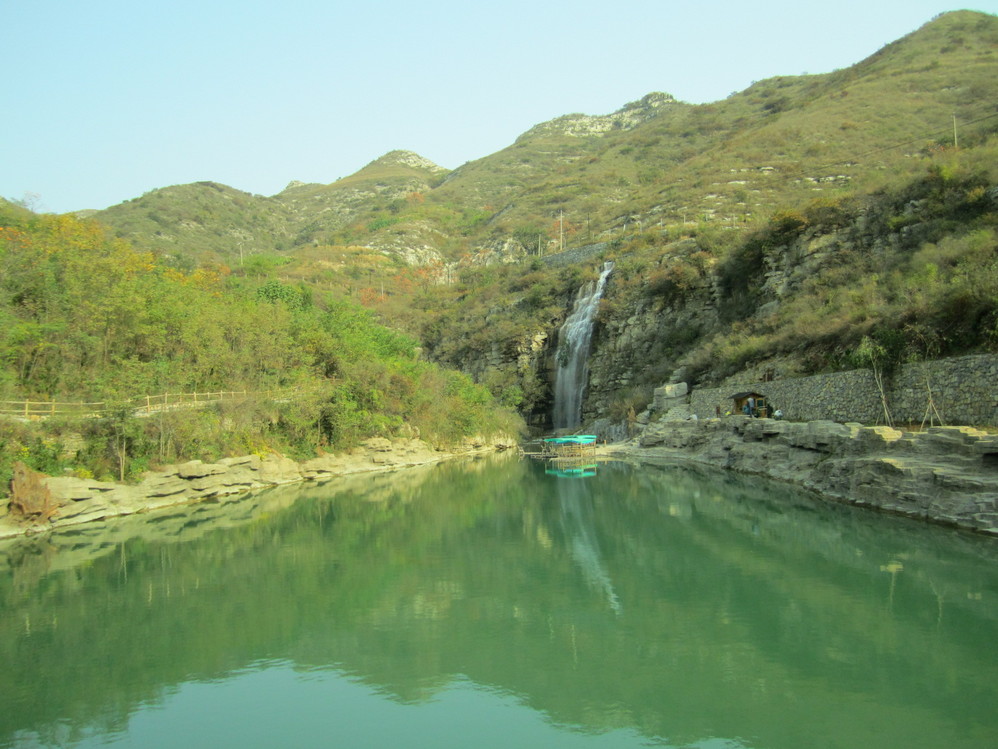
[105, 100]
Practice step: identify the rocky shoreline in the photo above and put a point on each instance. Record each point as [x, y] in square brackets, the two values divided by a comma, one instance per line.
[72, 501]
[944, 475]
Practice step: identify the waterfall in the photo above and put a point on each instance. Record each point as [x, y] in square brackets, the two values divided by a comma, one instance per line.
[573, 353]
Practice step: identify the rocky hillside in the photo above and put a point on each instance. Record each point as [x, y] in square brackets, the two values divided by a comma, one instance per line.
[900, 274]
[206, 221]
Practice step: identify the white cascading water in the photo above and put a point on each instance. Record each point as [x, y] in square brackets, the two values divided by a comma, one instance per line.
[573, 353]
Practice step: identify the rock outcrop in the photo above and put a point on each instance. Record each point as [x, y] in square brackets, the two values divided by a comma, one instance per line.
[946, 475]
[582, 125]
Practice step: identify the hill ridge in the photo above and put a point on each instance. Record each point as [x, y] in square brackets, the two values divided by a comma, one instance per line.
[656, 161]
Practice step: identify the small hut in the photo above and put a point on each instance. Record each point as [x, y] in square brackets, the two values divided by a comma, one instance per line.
[756, 403]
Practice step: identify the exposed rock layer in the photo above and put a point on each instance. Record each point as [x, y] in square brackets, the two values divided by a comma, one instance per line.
[946, 475]
[77, 501]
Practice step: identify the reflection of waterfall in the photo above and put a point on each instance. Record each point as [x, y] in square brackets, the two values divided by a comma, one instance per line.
[573, 353]
[578, 523]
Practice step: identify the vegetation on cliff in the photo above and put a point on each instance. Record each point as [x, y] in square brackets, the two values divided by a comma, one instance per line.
[907, 272]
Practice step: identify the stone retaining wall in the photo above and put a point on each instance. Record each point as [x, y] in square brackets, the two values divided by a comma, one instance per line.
[964, 390]
[575, 255]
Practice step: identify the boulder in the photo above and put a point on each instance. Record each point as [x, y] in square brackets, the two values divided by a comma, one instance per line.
[86, 510]
[165, 486]
[30, 497]
[676, 390]
[822, 436]
[250, 461]
[670, 396]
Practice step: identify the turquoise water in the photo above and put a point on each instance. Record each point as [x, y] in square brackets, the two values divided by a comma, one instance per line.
[487, 603]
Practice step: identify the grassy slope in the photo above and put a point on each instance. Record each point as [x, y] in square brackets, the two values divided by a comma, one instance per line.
[757, 149]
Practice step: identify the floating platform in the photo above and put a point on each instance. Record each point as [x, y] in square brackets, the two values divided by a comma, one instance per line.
[569, 456]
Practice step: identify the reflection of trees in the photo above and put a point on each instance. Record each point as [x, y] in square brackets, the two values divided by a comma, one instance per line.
[736, 595]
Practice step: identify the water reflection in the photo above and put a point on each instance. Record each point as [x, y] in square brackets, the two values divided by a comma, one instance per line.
[638, 606]
[578, 523]
[571, 469]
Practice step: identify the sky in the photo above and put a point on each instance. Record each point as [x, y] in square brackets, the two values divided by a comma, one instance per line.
[105, 100]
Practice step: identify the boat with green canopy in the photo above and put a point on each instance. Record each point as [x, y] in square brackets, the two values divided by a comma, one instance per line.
[572, 439]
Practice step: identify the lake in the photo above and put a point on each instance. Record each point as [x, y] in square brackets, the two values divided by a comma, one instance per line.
[490, 603]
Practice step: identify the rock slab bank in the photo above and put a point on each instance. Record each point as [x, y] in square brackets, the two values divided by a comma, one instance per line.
[946, 475]
[63, 501]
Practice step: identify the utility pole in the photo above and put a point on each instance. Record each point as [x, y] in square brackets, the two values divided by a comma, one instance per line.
[561, 230]
[956, 143]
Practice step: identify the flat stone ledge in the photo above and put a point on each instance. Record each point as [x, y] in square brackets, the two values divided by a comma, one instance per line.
[84, 500]
[947, 475]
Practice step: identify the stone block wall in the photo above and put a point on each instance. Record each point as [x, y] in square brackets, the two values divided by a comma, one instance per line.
[964, 390]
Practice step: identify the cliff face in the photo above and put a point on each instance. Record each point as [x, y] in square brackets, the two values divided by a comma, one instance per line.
[641, 347]
[916, 268]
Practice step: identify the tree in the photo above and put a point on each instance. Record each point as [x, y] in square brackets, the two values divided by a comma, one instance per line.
[871, 354]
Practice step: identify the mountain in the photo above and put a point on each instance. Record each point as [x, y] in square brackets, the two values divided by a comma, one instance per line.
[804, 225]
[364, 207]
[201, 221]
[655, 162]
[780, 140]
[209, 221]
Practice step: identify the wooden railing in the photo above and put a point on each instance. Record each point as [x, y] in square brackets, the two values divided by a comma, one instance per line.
[46, 409]
[141, 406]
